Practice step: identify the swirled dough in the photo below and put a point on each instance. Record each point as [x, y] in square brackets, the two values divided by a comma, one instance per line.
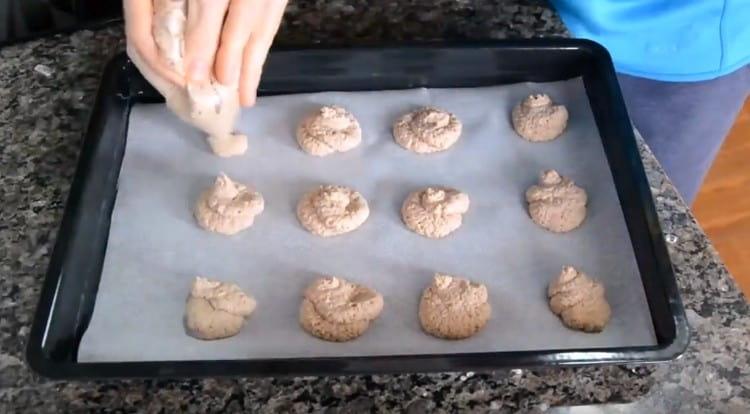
[337, 310]
[537, 119]
[210, 106]
[427, 130]
[579, 301]
[227, 207]
[556, 203]
[434, 212]
[330, 210]
[216, 310]
[454, 308]
[328, 130]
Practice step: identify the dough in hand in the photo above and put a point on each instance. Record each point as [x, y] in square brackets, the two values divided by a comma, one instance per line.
[210, 105]
[537, 119]
[337, 310]
[330, 210]
[228, 145]
[579, 301]
[454, 308]
[227, 207]
[214, 109]
[434, 212]
[556, 203]
[216, 309]
[427, 130]
[328, 130]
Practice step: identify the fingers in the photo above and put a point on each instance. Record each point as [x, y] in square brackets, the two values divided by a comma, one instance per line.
[244, 38]
[242, 17]
[257, 48]
[205, 19]
[138, 18]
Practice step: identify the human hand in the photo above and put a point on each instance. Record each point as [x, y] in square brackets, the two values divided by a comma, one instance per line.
[142, 47]
[225, 39]
[232, 37]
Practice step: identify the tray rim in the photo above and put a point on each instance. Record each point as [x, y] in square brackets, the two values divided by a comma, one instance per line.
[117, 94]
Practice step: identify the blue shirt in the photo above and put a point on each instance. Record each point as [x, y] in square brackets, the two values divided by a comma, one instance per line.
[670, 40]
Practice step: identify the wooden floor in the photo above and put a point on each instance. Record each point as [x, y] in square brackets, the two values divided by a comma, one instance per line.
[723, 205]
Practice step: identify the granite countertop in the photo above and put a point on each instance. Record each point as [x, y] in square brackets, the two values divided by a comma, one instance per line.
[42, 119]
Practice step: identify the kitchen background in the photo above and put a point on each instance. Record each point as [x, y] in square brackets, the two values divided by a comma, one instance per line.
[723, 205]
[23, 19]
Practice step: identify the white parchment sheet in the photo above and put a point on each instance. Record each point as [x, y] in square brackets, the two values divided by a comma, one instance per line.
[155, 248]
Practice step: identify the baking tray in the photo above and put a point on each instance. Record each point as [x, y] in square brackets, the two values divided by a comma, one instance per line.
[155, 249]
[70, 289]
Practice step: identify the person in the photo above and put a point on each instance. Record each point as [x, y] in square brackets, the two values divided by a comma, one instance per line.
[684, 70]
[683, 66]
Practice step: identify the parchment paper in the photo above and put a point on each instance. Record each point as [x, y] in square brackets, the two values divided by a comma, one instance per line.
[155, 248]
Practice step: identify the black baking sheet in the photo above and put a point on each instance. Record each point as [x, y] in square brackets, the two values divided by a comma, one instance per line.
[68, 298]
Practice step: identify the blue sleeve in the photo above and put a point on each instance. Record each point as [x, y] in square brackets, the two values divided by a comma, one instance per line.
[673, 40]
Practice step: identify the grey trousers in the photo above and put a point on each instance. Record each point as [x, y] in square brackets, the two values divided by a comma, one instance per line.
[684, 123]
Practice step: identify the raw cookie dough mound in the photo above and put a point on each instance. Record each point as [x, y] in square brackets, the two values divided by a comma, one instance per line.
[579, 301]
[227, 207]
[337, 310]
[434, 212]
[454, 308]
[537, 119]
[329, 129]
[427, 130]
[216, 309]
[330, 210]
[556, 203]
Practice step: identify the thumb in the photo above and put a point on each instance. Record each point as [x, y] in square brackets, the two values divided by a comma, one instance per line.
[205, 19]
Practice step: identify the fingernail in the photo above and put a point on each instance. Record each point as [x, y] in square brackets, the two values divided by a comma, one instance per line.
[248, 100]
[198, 70]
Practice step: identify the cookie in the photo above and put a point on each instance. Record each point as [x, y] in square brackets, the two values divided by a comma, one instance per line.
[579, 301]
[556, 203]
[330, 210]
[328, 130]
[227, 207]
[216, 310]
[454, 308]
[434, 212]
[336, 310]
[427, 130]
[538, 119]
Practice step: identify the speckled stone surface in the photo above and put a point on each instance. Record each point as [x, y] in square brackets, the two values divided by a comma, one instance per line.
[42, 120]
